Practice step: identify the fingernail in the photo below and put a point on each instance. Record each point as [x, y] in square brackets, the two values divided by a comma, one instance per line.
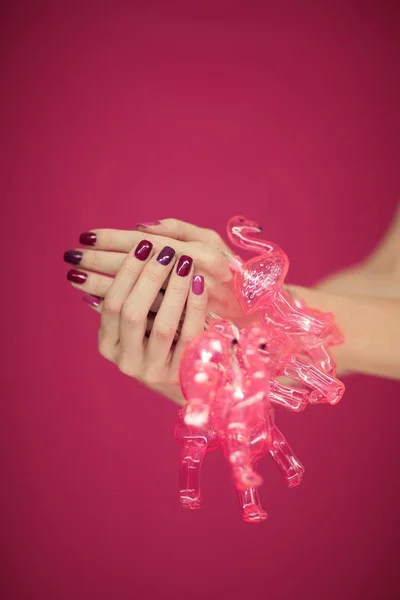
[73, 257]
[184, 266]
[76, 276]
[198, 285]
[148, 224]
[88, 238]
[143, 249]
[92, 300]
[166, 255]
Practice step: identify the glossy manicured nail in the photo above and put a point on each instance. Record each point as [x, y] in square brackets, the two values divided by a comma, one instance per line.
[88, 238]
[92, 300]
[198, 285]
[73, 257]
[184, 265]
[76, 276]
[148, 224]
[166, 255]
[143, 249]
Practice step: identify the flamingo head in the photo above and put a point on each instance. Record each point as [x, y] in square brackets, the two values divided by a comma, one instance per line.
[238, 225]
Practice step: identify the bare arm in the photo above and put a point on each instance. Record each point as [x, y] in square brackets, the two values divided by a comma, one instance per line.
[365, 300]
[371, 326]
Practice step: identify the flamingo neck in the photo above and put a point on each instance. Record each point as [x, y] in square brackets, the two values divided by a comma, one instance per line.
[249, 243]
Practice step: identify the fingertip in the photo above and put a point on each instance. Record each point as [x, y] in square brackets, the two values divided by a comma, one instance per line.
[88, 238]
[92, 301]
[147, 224]
[198, 285]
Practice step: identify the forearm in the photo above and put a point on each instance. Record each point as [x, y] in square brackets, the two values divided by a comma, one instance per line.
[370, 325]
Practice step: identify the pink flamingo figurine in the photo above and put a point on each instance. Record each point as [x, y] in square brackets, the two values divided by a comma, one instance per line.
[231, 378]
[259, 281]
[275, 347]
[264, 349]
[236, 411]
[213, 383]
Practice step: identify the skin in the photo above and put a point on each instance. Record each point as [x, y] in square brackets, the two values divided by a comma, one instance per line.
[143, 302]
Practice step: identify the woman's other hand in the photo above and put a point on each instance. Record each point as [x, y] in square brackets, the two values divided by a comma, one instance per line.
[144, 345]
[106, 250]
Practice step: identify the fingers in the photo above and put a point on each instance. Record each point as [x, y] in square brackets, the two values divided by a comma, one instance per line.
[179, 230]
[98, 285]
[96, 260]
[206, 256]
[118, 293]
[122, 241]
[118, 240]
[90, 283]
[170, 312]
[137, 305]
[96, 303]
[110, 239]
[194, 321]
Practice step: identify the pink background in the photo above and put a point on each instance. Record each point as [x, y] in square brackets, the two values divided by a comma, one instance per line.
[119, 112]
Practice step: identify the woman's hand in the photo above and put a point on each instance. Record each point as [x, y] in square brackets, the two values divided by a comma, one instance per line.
[365, 300]
[151, 352]
[369, 320]
[106, 249]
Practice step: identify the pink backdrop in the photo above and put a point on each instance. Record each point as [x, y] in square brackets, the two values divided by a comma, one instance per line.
[127, 111]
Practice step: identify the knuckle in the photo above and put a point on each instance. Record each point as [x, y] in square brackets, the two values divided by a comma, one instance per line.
[112, 306]
[171, 221]
[216, 261]
[186, 337]
[214, 237]
[177, 290]
[175, 227]
[131, 317]
[153, 377]
[197, 308]
[106, 239]
[100, 284]
[104, 347]
[164, 331]
[126, 366]
[130, 268]
[152, 276]
[92, 259]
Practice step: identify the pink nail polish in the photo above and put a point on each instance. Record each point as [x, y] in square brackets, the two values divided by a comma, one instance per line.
[198, 285]
[92, 300]
[148, 224]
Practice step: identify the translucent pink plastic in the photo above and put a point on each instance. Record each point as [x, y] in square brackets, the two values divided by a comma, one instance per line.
[232, 379]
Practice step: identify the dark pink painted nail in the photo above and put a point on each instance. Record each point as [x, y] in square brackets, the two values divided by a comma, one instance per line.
[73, 257]
[184, 265]
[143, 249]
[148, 224]
[88, 238]
[166, 255]
[92, 300]
[198, 285]
[76, 276]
